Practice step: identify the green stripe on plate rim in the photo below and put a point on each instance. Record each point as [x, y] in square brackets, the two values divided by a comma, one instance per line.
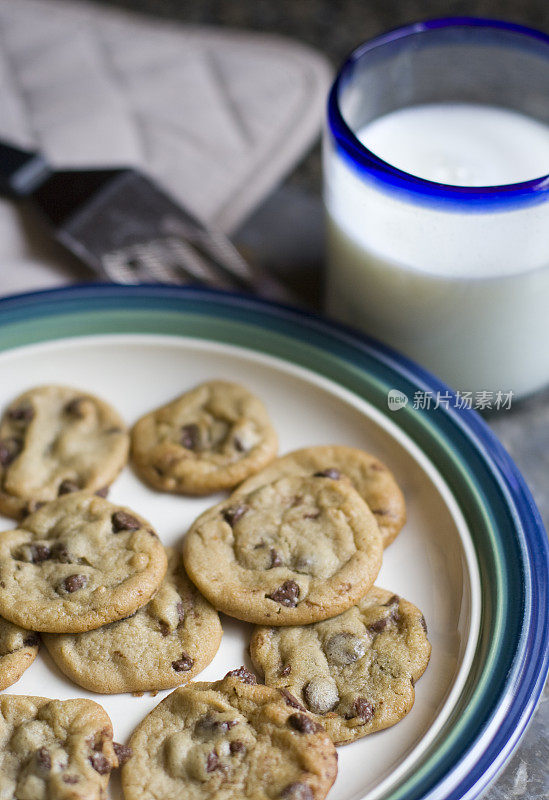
[222, 320]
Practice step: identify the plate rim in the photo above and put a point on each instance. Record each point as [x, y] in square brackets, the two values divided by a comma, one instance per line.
[481, 759]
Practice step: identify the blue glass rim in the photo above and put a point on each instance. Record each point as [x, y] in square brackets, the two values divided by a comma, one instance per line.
[383, 173]
[475, 761]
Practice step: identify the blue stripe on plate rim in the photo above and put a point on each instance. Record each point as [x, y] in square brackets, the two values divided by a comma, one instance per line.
[511, 677]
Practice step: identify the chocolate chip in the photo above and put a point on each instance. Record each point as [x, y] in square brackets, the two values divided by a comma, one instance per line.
[394, 598]
[423, 624]
[9, 450]
[180, 611]
[190, 436]
[226, 724]
[239, 445]
[361, 708]
[34, 505]
[208, 726]
[122, 521]
[287, 594]
[285, 670]
[377, 627]
[234, 513]
[75, 407]
[70, 779]
[74, 582]
[98, 740]
[184, 664]
[321, 695]
[31, 641]
[164, 628]
[123, 753]
[301, 723]
[344, 648]
[39, 553]
[68, 487]
[102, 492]
[100, 763]
[331, 472]
[237, 747]
[22, 413]
[297, 791]
[276, 560]
[243, 675]
[43, 759]
[59, 552]
[205, 726]
[290, 700]
[212, 762]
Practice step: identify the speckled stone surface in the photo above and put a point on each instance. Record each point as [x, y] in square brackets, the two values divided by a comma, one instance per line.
[334, 26]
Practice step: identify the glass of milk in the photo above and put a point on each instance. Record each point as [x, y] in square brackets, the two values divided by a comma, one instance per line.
[436, 185]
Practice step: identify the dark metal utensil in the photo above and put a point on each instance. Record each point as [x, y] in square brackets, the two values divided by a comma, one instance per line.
[124, 227]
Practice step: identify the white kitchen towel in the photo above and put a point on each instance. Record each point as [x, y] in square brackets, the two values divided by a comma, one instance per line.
[218, 117]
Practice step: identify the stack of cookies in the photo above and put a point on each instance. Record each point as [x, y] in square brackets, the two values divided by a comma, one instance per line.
[295, 550]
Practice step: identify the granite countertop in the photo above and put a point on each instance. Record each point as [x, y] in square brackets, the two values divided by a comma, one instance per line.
[286, 233]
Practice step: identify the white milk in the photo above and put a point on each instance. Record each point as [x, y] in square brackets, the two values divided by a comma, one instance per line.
[464, 292]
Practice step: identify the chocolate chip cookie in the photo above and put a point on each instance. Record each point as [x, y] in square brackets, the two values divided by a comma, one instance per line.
[18, 649]
[55, 440]
[164, 644]
[77, 563]
[208, 439]
[372, 480]
[356, 672]
[295, 551]
[230, 739]
[54, 749]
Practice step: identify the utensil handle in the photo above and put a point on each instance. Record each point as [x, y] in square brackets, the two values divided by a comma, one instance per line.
[21, 171]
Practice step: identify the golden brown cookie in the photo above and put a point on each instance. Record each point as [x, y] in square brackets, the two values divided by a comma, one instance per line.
[18, 649]
[208, 439]
[77, 563]
[164, 644]
[357, 671]
[54, 749]
[231, 739]
[295, 551]
[369, 476]
[55, 440]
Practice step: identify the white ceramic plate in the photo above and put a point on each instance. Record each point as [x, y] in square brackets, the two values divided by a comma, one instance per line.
[473, 556]
[432, 562]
